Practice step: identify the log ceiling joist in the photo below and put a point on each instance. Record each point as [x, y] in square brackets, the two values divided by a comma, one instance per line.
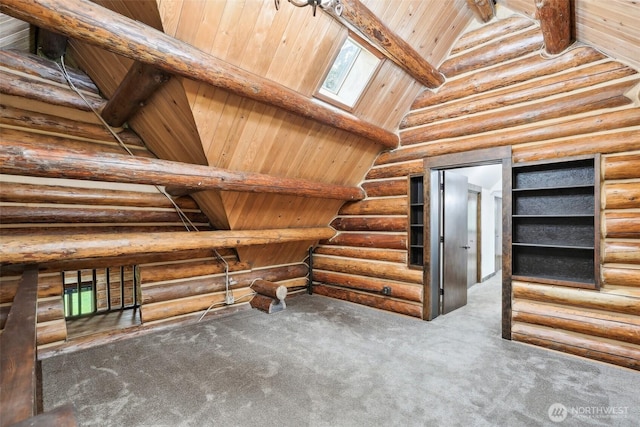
[98, 26]
[357, 16]
[44, 248]
[138, 85]
[555, 23]
[484, 10]
[47, 160]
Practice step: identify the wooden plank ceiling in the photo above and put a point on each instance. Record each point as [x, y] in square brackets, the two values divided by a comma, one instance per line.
[197, 123]
[611, 26]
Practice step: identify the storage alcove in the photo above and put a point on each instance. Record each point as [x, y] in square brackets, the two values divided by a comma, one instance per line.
[416, 221]
[556, 221]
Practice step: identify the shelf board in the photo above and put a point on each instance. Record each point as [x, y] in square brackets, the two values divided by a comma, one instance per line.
[555, 216]
[542, 245]
[560, 187]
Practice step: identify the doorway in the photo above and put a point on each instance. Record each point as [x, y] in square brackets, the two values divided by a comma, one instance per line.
[437, 258]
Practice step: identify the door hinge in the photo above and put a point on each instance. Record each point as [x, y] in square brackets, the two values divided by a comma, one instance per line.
[441, 291]
[441, 239]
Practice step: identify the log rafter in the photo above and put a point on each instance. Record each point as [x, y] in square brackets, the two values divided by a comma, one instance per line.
[99, 26]
[555, 23]
[139, 84]
[45, 160]
[42, 248]
[358, 16]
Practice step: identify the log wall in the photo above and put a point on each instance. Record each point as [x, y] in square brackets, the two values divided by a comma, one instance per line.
[505, 92]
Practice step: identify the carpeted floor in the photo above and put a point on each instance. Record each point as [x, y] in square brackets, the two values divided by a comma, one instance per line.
[324, 362]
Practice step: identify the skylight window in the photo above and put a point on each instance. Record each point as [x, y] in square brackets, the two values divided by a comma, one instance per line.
[350, 74]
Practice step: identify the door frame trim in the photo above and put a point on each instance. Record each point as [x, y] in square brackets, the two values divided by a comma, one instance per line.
[456, 160]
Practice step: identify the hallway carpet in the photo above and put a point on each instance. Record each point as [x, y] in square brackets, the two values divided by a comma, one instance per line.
[324, 362]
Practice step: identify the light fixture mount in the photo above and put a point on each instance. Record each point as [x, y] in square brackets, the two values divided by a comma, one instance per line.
[335, 5]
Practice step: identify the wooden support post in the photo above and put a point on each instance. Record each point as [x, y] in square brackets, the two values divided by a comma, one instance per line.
[47, 160]
[270, 289]
[43, 248]
[555, 23]
[18, 356]
[139, 84]
[358, 16]
[484, 10]
[88, 22]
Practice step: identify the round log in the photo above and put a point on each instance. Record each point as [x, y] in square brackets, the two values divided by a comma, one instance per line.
[38, 66]
[578, 344]
[576, 297]
[370, 223]
[50, 332]
[524, 92]
[493, 53]
[624, 140]
[36, 193]
[361, 267]
[489, 32]
[537, 132]
[32, 121]
[622, 225]
[484, 10]
[556, 23]
[85, 21]
[622, 195]
[615, 276]
[623, 166]
[513, 72]
[402, 307]
[384, 206]
[622, 252]
[604, 97]
[50, 309]
[369, 240]
[27, 158]
[24, 214]
[394, 171]
[385, 188]
[36, 249]
[193, 287]
[610, 326]
[269, 289]
[390, 255]
[173, 271]
[394, 289]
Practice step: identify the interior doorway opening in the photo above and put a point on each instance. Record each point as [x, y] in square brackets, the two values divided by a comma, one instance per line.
[448, 245]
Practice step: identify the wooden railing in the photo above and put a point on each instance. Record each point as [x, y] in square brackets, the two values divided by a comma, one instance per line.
[18, 391]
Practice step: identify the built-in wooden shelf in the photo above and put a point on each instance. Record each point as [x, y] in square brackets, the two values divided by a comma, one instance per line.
[416, 221]
[556, 221]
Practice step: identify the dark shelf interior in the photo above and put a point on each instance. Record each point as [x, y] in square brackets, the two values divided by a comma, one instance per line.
[554, 221]
[549, 175]
[554, 263]
[565, 231]
[416, 221]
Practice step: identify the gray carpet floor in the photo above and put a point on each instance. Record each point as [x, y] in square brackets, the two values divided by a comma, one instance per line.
[324, 362]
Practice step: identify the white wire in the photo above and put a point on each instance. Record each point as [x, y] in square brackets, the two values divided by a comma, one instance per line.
[183, 217]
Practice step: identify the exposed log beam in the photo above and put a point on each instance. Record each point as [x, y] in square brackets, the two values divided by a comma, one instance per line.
[43, 248]
[18, 356]
[555, 23]
[358, 16]
[96, 25]
[46, 160]
[484, 10]
[138, 85]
